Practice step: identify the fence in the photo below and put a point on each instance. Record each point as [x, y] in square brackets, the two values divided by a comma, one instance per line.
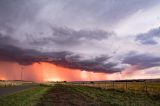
[136, 86]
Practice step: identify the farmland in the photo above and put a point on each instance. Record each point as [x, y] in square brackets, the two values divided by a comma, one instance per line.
[75, 95]
[136, 86]
[89, 93]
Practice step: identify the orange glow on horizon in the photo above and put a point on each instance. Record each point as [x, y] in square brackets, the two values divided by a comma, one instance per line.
[44, 71]
[53, 72]
[41, 72]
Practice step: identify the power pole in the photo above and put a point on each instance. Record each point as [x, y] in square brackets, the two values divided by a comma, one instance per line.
[21, 73]
[120, 76]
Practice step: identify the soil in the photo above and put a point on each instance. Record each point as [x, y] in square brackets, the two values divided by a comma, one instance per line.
[66, 96]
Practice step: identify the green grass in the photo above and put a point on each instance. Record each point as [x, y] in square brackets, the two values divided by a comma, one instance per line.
[119, 98]
[74, 95]
[66, 95]
[136, 87]
[29, 97]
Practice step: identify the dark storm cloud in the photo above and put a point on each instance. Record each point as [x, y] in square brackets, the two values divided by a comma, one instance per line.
[65, 59]
[96, 64]
[8, 52]
[6, 40]
[15, 54]
[68, 36]
[149, 37]
[142, 60]
[26, 25]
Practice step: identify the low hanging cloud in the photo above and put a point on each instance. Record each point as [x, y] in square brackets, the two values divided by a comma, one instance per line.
[142, 60]
[68, 59]
[65, 59]
[109, 62]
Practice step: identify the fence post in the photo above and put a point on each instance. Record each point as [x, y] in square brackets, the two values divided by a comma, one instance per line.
[113, 84]
[145, 83]
[5, 85]
[126, 86]
[105, 85]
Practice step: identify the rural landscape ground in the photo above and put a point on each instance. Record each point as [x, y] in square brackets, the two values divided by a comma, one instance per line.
[76, 94]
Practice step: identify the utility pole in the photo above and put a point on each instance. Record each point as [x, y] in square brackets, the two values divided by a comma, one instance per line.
[120, 76]
[22, 73]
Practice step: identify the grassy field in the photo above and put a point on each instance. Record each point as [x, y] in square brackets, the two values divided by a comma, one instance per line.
[28, 97]
[74, 95]
[14, 83]
[150, 87]
[91, 94]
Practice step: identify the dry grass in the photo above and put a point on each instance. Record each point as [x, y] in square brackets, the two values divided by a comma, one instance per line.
[13, 83]
[139, 87]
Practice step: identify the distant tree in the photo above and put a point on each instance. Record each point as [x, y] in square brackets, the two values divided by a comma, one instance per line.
[91, 82]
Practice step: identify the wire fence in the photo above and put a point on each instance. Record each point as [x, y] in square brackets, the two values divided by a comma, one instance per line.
[135, 86]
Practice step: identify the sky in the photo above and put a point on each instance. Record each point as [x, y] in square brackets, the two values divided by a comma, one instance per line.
[87, 39]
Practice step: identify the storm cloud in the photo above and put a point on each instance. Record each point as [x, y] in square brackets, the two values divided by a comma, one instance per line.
[101, 36]
[142, 60]
[150, 37]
